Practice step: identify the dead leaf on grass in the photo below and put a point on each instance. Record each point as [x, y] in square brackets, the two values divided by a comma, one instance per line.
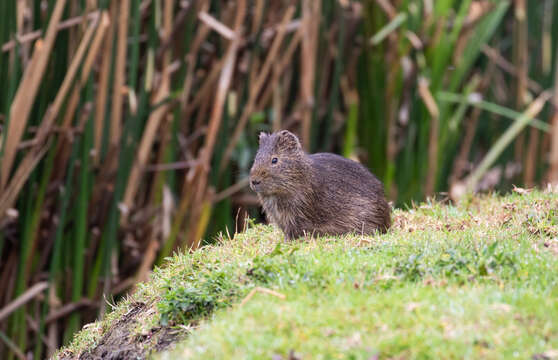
[521, 191]
[412, 306]
[502, 307]
[510, 206]
[547, 355]
[552, 245]
[354, 340]
[294, 356]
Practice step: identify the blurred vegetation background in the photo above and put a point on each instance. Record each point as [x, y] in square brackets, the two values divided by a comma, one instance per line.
[127, 128]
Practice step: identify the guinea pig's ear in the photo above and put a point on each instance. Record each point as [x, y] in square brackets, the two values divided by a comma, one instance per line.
[263, 137]
[288, 141]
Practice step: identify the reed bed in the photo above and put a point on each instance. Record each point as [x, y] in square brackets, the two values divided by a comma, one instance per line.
[128, 127]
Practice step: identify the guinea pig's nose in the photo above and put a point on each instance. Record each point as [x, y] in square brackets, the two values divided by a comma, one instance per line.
[256, 182]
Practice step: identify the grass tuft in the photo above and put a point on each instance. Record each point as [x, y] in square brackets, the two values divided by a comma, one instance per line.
[196, 296]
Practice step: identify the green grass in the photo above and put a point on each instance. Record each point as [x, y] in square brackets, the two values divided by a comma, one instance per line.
[476, 280]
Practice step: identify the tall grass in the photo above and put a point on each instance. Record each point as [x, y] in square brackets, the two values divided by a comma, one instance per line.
[128, 127]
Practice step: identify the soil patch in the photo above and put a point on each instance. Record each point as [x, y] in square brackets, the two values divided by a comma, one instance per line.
[122, 341]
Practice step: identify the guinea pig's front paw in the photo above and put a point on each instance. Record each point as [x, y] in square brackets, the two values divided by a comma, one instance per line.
[287, 239]
[289, 236]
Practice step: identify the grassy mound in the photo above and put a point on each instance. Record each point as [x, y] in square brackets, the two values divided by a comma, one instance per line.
[477, 280]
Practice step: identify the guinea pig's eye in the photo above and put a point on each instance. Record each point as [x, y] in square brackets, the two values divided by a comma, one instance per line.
[274, 160]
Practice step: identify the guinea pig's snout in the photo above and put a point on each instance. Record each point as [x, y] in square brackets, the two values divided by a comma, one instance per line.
[255, 183]
[255, 180]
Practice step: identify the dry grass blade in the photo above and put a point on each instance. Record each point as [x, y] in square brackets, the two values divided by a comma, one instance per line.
[522, 55]
[171, 166]
[216, 25]
[72, 71]
[255, 90]
[520, 58]
[231, 190]
[153, 122]
[12, 346]
[223, 86]
[263, 291]
[102, 93]
[10, 193]
[553, 172]
[29, 162]
[205, 89]
[280, 67]
[201, 216]
[26, 92]
[23, 299]
[66, 24]
[462, 158]
[85, 71]
[87, 66]
[393, 70]
[388, 8]
[531, 157]
[508, 67]
[274, 49]
[119, 73]
[258, 14]
[509, 135]
[277, 99]
[191, 59]
[191, 63]
[68, 309]
[148, 259]
[95, 46]
[432, 108]
[215, 121]
[310, 23]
